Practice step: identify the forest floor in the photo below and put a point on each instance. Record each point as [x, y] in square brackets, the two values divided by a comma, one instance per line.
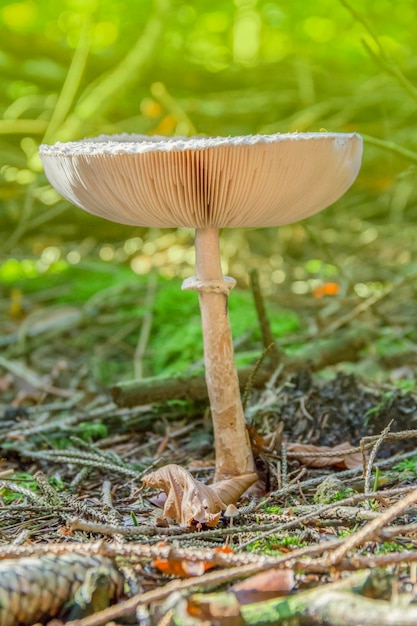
[327, 535]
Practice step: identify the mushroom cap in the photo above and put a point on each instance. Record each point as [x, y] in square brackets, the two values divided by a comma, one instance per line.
[200, 182]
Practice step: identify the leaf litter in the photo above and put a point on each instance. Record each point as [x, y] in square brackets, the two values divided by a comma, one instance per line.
[76, 478]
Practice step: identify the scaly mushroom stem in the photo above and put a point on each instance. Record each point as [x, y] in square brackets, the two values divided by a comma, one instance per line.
[231, 440]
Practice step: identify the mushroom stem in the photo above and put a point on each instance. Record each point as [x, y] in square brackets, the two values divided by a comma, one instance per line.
[231, 440]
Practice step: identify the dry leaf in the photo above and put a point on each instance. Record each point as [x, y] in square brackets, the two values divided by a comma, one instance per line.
[264, 586]
[300, 451]
[159, 500]
[180, 568]
[190, 502]
[184, 568]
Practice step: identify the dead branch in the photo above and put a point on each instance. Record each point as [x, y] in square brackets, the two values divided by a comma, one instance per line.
[328, 606]
[344, 347]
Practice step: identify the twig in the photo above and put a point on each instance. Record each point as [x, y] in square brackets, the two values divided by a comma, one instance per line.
[76, 523]
[208, 580]
[372, 527]
[80, 477]
[33, 379]
[184, 387]
[327, 507]
[107, 411]
[6, 473]
[39, 500]
[326, 606]
[360, 561]
[346, 474]
[160, 389]
[254, 375]
[358, 309]
[368, 467]
[284, 466]
[112, 514]
[77, 458]
[268, 339]
[367, 443]
[143, 551]
[347, 514]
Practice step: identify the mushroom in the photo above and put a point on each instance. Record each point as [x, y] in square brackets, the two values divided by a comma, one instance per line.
[208, 183]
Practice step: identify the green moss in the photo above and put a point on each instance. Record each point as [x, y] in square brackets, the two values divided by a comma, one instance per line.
[273, 545]
[91, 431]
[23, 479]
[274, 510]
[392, 546]
[407, 466]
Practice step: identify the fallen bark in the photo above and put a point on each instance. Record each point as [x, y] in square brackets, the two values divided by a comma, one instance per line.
[334, 608]
[347, 602]
[184, 387]
[343, 347]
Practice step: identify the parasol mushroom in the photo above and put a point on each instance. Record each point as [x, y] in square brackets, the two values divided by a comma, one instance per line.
[207, 184]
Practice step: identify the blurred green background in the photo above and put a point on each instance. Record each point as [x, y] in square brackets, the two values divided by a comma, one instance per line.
[79, 68]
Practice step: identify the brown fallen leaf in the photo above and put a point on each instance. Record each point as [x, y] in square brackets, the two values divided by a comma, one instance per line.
[264, 586]
[301, 452]
[189, 501]
[184, 568]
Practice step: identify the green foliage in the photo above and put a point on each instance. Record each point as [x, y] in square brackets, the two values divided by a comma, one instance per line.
[13, 271]
[292, 541]
[407, 466]
[23, 479]
[75, 69]
[391, 546]
[274, 510]
[273, 544]
[375, 410]
[390, 343]
[56, 482]
[339, 495]
[91, 431]
[77, 283]
[104, 300]
[176, 335]
[406, 384]
[284, 322]
[176, 340]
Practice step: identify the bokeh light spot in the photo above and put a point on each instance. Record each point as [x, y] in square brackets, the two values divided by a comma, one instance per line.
[319, 29]
[19, 17]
